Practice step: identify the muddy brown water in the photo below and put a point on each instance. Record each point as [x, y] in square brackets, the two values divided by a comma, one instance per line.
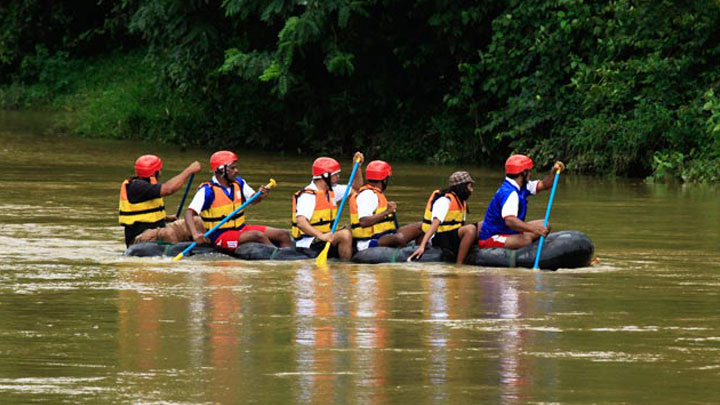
[80, 323]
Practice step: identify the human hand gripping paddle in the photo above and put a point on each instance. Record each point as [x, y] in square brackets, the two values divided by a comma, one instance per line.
[187, 188]
[547, 217]
[270, 185]
[322, 257]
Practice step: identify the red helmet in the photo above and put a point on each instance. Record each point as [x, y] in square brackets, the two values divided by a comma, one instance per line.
[147, 165]
[517, 164]
[222, 158]
[378, 170]
[323, 165]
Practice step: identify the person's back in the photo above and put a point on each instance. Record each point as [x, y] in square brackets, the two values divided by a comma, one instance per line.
[141, 206]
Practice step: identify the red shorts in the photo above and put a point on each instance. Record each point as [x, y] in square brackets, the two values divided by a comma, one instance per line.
[228, 240]
[495, 241]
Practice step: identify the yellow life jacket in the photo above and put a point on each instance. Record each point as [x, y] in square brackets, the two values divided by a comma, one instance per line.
[147, 211]
[386, 225]
[323, 216]
[455, 217]
[222, 206]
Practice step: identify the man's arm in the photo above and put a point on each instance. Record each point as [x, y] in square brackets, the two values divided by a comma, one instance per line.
[197, 204]
[547, 182]
[304, 225]
[358, 180]
[173, 185]
[374, 219]
[519, 225]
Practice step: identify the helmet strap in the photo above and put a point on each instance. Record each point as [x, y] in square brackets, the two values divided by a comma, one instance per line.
[326, 178]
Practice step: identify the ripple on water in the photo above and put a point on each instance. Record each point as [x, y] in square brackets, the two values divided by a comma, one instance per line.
[71, 386]
[600, 356]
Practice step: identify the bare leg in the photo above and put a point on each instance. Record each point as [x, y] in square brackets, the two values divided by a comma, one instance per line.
[521, 240]
[403, 235]
[279, 237]
[253, 236]
[343, 240]
[468, 235]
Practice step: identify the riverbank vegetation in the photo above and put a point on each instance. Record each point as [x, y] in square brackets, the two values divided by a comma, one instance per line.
[612, 88]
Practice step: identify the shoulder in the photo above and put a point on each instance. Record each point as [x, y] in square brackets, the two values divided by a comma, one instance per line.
[142, 190]
[532, 187]
[367, 196]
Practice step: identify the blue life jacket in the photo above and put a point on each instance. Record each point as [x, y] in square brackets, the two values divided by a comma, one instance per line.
[494, 224]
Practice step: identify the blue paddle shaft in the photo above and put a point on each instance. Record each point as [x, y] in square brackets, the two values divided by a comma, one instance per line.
[547, 217]
[227, 218]
[187, 188]
[347, 191]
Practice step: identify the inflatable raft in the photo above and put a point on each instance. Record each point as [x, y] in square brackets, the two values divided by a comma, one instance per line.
[566, 249]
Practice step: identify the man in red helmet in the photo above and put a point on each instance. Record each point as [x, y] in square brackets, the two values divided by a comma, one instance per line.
[504, 225]
[218, 198]
[372, 217]
[141, 208]
[315, 208]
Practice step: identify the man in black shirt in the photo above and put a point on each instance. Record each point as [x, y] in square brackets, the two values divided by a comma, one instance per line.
[141, 200]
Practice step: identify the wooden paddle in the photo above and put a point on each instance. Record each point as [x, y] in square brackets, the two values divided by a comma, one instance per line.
[322, 257]
[547, 217]
[270, 185]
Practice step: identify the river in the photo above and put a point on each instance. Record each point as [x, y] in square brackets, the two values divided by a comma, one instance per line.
[80, 323]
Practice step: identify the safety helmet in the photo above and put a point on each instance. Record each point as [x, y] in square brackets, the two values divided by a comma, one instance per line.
[378, 170]
[222, 158]
[517, 164]
[325, 165]
[147, 165]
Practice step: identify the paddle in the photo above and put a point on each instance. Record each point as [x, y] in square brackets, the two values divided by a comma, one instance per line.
[270, 185]
[547, 217]
[187, 188]
[322, 257]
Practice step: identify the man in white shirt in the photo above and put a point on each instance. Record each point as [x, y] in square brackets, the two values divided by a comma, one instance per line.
[315, 208]
[372, 217]
[218, 198]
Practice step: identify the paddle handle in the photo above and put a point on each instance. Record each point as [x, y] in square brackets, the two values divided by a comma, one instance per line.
[270, 185]
[347, 191]
[187, 188]
[547, 217]
[321, 259]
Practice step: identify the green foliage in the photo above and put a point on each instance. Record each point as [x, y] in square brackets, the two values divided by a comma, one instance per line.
[616, 88]
[602, 84]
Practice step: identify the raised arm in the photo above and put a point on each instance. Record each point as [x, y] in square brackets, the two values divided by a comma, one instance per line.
[358, 181]
[547, 182]
[173, 185]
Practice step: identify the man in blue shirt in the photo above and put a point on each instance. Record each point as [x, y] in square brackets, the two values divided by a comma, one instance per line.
[504, 225]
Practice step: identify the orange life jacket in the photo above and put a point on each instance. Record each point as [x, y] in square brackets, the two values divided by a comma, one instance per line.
[455, 217]
[323, 216]
[386, 225]
[222, 206]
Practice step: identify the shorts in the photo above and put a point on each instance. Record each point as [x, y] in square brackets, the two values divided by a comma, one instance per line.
[449, 240]
[317, 246]
[495, 241]
[228, 240]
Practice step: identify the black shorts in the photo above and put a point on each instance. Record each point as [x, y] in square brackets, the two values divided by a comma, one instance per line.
[449, 241]
[317, 246]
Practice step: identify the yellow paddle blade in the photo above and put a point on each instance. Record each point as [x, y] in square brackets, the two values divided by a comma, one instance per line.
[322, 257]
[178, 257]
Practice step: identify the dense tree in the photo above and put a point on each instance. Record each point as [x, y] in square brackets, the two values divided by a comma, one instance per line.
[620, 87]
